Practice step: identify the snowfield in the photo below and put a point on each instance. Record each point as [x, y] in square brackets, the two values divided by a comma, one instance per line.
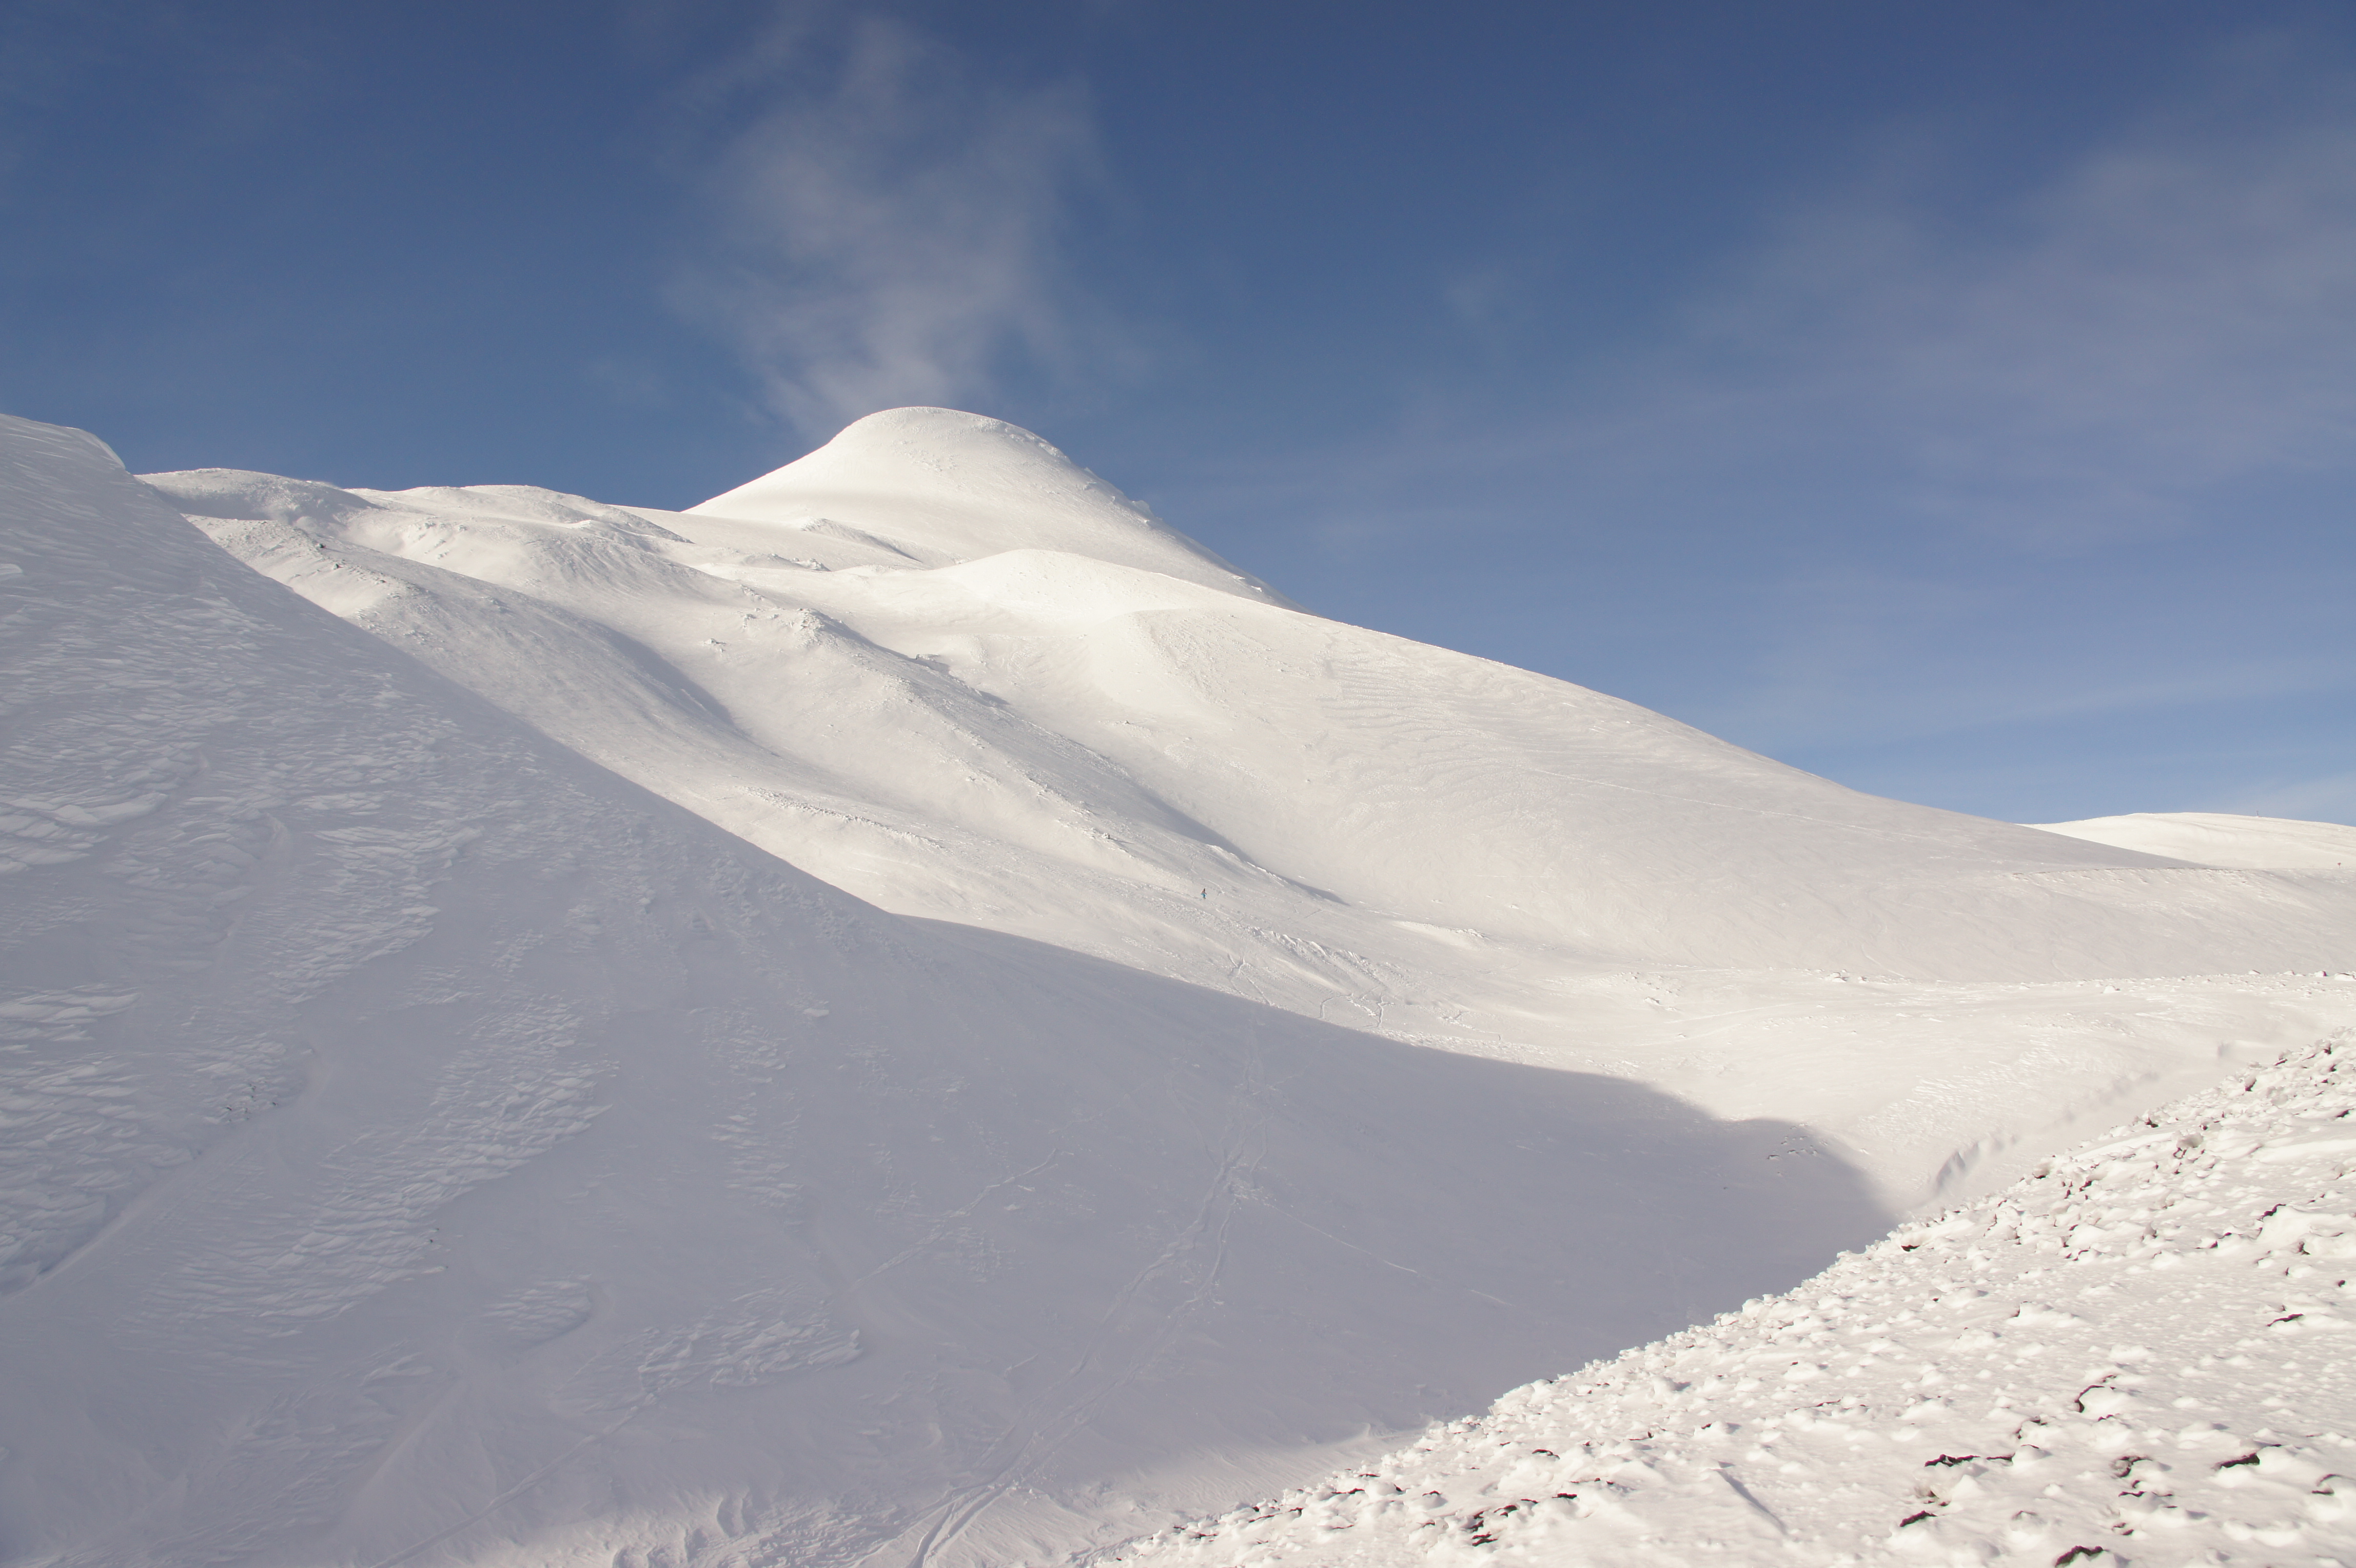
[910, 1015]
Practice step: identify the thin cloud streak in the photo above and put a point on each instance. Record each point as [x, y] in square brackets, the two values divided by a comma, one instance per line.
[890, 231]
[2168, 314]
[2171, 315]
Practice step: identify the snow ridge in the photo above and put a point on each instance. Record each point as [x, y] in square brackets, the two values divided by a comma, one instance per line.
[2138, 1355]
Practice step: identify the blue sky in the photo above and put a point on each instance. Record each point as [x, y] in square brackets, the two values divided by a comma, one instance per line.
[1954, 400]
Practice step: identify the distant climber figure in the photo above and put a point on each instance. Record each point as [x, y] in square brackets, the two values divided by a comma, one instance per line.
[1207, 893]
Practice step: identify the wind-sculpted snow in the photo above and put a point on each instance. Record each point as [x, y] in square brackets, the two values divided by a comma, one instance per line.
[2138, 1356]
[423, 1146]
[939, 666]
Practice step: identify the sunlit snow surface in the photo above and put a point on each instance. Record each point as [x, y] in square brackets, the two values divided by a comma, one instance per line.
[2140, 1355]
[442, 1127]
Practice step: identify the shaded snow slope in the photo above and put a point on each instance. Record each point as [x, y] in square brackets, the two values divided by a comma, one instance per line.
[423, 1146]
[991, 693]
[2138, 1356]
[2217, 838]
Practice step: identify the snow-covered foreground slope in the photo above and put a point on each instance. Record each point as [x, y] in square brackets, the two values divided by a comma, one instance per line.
[2140, 1355]
[2215, 838]
[423, 1146]
[940, 666]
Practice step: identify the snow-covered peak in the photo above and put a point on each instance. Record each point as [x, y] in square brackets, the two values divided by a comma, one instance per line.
[945, 486]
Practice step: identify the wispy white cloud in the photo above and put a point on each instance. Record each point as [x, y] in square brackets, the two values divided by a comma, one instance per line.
[2171, 312]
[889, 227]
[2166, 312]
[2156, 344]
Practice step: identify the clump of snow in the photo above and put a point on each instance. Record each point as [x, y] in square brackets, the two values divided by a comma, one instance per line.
[2138, 1355]
[2216, 838]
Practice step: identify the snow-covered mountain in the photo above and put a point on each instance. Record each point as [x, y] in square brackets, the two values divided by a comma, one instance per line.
[425, 1146]
[938, 664]
[911, 1015]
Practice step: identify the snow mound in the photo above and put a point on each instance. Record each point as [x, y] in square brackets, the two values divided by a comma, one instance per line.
[2215, 838]
[2139, 1354]
[425, 1146]
[945, 486]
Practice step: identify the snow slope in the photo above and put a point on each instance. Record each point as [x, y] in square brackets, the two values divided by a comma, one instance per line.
[423, 1146]
[2215, 838]
[2140, 1355]
[937, 664]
